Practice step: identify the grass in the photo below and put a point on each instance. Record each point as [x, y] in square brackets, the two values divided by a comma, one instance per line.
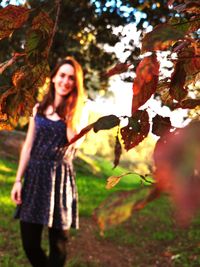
[151, 234]
[92, 192]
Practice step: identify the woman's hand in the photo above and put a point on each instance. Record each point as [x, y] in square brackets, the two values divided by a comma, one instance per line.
[16, 193]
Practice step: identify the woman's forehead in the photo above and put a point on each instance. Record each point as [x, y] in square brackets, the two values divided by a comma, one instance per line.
[67, 68]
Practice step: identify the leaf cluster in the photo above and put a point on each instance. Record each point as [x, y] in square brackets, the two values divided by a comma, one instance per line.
[177, 151]
[31, 62]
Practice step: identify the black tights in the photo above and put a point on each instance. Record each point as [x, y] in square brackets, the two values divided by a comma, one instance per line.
[31, 239]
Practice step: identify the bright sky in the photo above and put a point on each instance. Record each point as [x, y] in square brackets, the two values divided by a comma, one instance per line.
[13, 2]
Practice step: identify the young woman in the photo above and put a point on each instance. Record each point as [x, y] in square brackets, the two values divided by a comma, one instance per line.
[48, 196]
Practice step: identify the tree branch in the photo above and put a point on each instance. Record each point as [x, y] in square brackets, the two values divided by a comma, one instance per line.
[58, 4]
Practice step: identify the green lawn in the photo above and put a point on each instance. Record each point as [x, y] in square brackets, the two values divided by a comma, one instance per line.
[91, 186]
[150, 235]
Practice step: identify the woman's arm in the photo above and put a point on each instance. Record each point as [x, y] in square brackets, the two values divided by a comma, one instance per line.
[23, 161]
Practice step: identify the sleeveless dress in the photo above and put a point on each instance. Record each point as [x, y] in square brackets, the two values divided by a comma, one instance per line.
[49, 195]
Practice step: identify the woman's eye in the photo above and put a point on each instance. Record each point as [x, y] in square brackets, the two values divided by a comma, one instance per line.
[71, 78]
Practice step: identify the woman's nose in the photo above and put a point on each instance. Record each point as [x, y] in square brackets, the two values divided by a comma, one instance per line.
[66, 80]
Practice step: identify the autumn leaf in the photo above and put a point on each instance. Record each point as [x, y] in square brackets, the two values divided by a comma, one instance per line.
[161, 125]
[146, 81]
[117, 69]
[194, 25]
[38, 39]
[189, 103]
[177, 172]
[178, 77]
[162, 36]
[118, 207]
[81, 134]
[180, 24]
[14, 107]
[113, 180]
[43, 22]
[11, 18]
[106, 122]
[189, 7]
[170, 2]
[192, 66]
[40, 72]
[136, 130]
[8, 63]
[118, 151]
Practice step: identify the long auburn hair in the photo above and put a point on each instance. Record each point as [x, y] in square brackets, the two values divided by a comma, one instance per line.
[71, 109]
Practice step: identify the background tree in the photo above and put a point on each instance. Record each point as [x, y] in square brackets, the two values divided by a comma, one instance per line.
[83, 29]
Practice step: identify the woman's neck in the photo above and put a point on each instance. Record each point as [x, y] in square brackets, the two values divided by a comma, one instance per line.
[57, 101]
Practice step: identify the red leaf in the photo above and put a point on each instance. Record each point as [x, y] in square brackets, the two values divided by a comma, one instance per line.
[190, 103]
[177, 157]
[136, 130]
[161, 125]
[81, 134]
[193, 7]
[161, 38]
[192, 66]
[178, 77]
[189, 7]
[118, 151]
[145, 82]
[11, 18]
[117, 69]
[170, 2]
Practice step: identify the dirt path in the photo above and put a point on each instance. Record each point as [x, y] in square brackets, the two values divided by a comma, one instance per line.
[89, 247]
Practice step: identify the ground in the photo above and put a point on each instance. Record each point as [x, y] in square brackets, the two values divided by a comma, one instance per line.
[90, 248]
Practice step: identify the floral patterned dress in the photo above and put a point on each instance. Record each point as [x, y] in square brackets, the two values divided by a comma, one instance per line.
[49, 195]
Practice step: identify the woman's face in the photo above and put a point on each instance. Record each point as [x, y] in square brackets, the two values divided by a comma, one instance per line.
[64, 80]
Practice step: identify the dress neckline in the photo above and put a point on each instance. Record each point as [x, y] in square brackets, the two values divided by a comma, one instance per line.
[52, 120]
[49, 119]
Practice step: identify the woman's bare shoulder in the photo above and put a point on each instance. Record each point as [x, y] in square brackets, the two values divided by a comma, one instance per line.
[35, 110]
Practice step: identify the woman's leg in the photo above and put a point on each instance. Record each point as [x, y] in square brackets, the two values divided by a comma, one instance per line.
[31, 239]
[58, 247]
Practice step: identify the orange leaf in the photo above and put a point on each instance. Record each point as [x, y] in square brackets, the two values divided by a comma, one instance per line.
[145, 82]
[11, 18]
[113, 180]
[117, 69]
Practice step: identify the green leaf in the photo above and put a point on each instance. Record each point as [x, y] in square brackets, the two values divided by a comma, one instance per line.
[106, 122]
[162, 36]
